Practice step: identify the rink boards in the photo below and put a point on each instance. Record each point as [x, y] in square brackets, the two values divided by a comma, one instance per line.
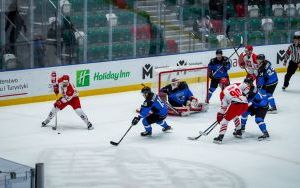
[33, 85]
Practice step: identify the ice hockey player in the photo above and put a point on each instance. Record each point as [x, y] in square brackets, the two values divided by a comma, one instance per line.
[233, 104]
[247, 60]
[180, 98]
[258, 107]
[69, 97]
[217, 69]
[294, 63]
[267, 79]
[153, 110]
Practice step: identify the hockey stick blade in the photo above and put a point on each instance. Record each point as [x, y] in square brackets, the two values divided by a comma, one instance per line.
[54, 128]
[192, 138]
[114, 143]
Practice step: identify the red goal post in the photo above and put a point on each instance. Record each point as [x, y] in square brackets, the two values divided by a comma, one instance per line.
[195, 76]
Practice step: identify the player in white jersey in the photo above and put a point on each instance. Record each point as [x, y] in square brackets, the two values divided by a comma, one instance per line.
[233, 104]
[248, 61]
[69, 97]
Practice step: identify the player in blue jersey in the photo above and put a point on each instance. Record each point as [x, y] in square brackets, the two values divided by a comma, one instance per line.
[217, 69]
[267, 79]
[153, 110]
[180, 98]
[258, 107]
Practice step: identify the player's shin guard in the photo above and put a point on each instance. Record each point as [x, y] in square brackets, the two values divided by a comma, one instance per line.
[147, 126]
[237, 123]
[82, 115]
[164, 124]
[210, 92]
[52, 114]
[261, 124]
[224, 124]
[271, 101]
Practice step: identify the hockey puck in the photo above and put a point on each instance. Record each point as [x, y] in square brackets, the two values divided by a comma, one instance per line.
[58, 133]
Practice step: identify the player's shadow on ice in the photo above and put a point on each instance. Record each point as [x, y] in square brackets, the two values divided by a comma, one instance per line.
[247, 138]
[292, 91]
[68, 128]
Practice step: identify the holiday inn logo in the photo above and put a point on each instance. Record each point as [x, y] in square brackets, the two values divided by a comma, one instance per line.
[83, 78]
[111, 75]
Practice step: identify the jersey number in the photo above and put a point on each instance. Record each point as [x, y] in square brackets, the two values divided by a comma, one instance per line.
[236, 92]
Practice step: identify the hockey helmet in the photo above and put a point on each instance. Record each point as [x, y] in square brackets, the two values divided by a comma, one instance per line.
[223, 82]
[65, 79]
[296, 35]
[146, 91]
[248, 80]
[219, 51]
[249, 48]
[261, 58]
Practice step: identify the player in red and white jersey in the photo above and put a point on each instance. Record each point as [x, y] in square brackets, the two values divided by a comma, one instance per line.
[69, 97]
[233, 104]
[248, 61]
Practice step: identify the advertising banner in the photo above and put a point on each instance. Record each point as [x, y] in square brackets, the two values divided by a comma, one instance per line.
[36, 82]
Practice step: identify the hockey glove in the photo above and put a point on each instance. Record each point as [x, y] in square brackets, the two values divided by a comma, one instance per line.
[220, 117]
[56, 89]
[135, 120]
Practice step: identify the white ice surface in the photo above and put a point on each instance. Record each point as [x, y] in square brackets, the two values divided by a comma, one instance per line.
[78, 158]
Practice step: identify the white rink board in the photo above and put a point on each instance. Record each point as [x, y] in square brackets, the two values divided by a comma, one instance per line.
[35, 82]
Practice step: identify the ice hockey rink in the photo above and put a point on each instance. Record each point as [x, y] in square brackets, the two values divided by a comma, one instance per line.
[78, 158]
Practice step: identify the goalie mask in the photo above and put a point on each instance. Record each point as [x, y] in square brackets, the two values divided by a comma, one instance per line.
[174, 83]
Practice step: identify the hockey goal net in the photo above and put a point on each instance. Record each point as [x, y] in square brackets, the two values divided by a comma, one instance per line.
[195, 76]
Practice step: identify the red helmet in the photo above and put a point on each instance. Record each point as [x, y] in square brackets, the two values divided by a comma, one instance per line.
[65, 78]
[249, 48]
[224, 82]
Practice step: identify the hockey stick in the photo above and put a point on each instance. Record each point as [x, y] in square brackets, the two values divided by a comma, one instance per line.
[206, 132]
[117, 143]
[235, 49]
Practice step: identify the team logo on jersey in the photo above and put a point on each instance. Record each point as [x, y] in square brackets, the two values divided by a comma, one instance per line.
[148, 71]
[83, 78]
[280, 56]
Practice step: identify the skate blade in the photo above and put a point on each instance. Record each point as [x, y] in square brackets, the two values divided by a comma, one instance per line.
[217, 142]
[264, 139]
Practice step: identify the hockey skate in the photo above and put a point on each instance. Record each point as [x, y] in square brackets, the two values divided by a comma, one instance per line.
[44, 123]
[219, 139]
[265, 136]
[90, 126]
[146, 133]
[166, 128]
[272, 110]
[238, 133]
